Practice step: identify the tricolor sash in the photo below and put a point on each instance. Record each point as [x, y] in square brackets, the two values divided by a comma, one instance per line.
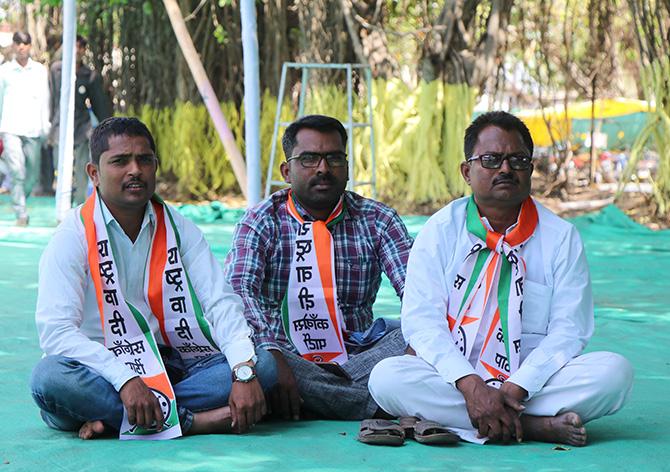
[172, 300]
[312, 318]
[487, 295]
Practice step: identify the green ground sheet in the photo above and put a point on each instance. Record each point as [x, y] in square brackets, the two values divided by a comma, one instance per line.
[629, 267]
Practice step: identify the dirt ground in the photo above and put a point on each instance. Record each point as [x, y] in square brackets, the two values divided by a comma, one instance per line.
[575, 200]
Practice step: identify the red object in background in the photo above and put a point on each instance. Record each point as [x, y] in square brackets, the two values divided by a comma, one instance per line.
[2, 147]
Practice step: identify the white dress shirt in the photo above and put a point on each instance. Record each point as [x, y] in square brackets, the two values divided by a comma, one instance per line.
[557, 319]
[24, 99]
[67, 316]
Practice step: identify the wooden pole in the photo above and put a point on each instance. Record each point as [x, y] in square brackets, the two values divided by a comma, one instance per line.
[207, 93]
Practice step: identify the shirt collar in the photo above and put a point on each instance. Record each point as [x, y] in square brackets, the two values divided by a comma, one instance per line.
[490, 228]
[349, 205]
[308, 217]
[18, 66]
[149, 217]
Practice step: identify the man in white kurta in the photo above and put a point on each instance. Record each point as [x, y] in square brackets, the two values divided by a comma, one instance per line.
[24, 120]
[555, 388]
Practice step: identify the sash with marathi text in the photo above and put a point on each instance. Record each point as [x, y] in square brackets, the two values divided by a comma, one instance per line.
[487, 295]
[312, 318]
[172, 300]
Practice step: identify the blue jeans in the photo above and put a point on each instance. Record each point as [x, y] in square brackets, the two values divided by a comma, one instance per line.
[68, 393]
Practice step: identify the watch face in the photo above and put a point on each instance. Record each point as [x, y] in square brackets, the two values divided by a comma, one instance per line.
[244, 373]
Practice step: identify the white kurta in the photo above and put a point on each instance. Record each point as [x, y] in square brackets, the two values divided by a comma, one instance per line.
[557, 323]
[24, 99]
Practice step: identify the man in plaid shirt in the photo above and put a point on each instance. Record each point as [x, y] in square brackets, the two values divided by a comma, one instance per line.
[369, 238]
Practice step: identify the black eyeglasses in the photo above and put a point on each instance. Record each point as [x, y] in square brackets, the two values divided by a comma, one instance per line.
[494, 161]
[313, 159]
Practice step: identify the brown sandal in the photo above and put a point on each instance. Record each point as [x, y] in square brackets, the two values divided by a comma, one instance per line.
[427, 431]
[381, 433]
[430, 432]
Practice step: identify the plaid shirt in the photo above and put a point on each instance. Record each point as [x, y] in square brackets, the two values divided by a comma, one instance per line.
[370, 239]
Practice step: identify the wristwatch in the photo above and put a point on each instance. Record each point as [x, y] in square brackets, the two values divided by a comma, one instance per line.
[244, 373]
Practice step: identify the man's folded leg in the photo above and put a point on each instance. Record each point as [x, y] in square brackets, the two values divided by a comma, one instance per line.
[592, 385]
[409, 386]
[207, 382]
[69, 394]
[327, 395]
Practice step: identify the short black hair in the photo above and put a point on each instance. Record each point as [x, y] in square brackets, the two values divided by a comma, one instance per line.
[116, 126]
[21, 37]
[81, 41]
[500, 119]
[320, 123]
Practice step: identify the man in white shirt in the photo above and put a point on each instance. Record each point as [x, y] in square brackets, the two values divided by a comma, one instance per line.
[24, 120]
[498, 309]
[154, 283]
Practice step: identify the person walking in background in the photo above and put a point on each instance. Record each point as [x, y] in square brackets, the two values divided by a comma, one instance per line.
[24, 120]
[89, 94]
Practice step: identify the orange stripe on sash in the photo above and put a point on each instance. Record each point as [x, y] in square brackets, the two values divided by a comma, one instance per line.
[157, 269]
[87, 211]
[322, 244]
[451, 321]
[495, 372]
[468, 319]
[526, 226]
[494, 323]
[161, 383]
[490, 274]
[492, 239]
[321, 356]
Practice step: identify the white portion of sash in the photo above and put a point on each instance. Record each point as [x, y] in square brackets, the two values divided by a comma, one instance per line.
[480, 315]
[310, 327]
[123, 334]
[179, 315]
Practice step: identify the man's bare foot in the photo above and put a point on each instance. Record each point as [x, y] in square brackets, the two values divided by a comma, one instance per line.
[213, 421]
[566, 428]
[91, 429]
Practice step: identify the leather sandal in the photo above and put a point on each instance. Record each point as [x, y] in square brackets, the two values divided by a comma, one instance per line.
[427, 431]
[381, 432]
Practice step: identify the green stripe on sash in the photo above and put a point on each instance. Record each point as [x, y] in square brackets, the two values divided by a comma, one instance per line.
[475, 226]
[503, 298]
[481, 260]
[199, 316]
[284, 318]
[473, 221]
[197, 307]
[144, 326]
[169, 214]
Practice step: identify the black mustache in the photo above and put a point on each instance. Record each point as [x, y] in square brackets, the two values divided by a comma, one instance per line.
[323, 179]
[505, 178]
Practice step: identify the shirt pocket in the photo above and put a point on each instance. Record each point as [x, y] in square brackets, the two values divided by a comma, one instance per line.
[355, 275]
[535, 308]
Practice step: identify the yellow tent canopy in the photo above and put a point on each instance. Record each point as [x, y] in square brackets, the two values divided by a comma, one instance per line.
[559, 124]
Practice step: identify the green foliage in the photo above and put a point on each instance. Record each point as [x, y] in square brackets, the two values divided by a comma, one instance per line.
[418, 140]
[189, 148]
[220, 34]
[656, 132]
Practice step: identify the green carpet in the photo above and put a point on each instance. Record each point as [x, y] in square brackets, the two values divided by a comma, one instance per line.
[628, 264]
